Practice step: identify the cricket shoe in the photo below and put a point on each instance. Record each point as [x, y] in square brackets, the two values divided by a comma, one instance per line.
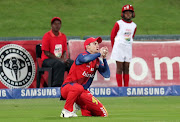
[67, 114]
[76, 107]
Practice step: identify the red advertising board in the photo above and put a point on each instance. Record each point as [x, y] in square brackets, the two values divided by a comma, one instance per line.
[153, 64]
[18, 64]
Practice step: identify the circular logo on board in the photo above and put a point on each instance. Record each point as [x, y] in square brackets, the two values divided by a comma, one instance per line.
[17, 68]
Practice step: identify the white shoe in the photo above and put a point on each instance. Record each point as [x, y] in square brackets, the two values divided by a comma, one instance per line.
[74, 114]
[76, 107]
[66, 114]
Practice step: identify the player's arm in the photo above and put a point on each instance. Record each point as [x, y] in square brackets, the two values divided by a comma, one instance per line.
[86, 58]
[134, 32]
[104, 69]
[52, 56]
[114, 33]
[64, 56]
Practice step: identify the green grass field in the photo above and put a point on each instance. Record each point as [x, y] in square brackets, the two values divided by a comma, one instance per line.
[25, 18]
[120, 109]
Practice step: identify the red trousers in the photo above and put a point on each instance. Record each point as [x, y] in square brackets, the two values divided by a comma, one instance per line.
[90, 106]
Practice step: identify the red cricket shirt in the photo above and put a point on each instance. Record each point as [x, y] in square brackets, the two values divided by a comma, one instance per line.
[54, 44]
[83, 74]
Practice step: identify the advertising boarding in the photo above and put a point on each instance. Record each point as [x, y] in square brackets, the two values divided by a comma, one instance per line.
[153, 64]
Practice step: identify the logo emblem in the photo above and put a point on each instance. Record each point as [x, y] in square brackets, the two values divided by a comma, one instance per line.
[92, 69]
[17, 68]
[58, 50]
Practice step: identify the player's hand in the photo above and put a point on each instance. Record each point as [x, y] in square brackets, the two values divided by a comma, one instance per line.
[104, 52]
[63, 60]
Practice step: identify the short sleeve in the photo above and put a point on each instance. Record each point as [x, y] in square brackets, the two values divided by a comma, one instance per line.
[45, 43]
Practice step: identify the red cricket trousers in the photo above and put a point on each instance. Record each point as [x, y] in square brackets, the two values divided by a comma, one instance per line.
[90, 106]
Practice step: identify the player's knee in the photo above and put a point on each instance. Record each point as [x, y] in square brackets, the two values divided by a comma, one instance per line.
[126, 71]
[59, 64]
[119, 71]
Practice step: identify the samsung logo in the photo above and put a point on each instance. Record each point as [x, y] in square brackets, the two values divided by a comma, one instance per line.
[2, 93]
[38, 92]
[145, 91]
[100, 91]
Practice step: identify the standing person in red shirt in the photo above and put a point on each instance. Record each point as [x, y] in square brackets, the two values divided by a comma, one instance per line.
[80, 77]
[122, 36]
[54, 50]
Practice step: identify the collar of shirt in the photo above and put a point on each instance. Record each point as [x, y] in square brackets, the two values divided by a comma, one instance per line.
[87, 52]
[52, 34]
[126, 21]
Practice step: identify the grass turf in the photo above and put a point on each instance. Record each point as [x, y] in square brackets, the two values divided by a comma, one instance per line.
[125, 109]
[20, 18]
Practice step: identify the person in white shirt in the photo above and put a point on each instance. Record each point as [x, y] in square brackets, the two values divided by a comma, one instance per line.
[122, 36]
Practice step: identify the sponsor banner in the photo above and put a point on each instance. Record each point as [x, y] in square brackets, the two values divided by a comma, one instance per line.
[30, 93]
[176, 90]
[153, 63]
[18, 64]
[6, 94]
[37, 93]
[147, 91]
[104, 91]
[95, 91]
